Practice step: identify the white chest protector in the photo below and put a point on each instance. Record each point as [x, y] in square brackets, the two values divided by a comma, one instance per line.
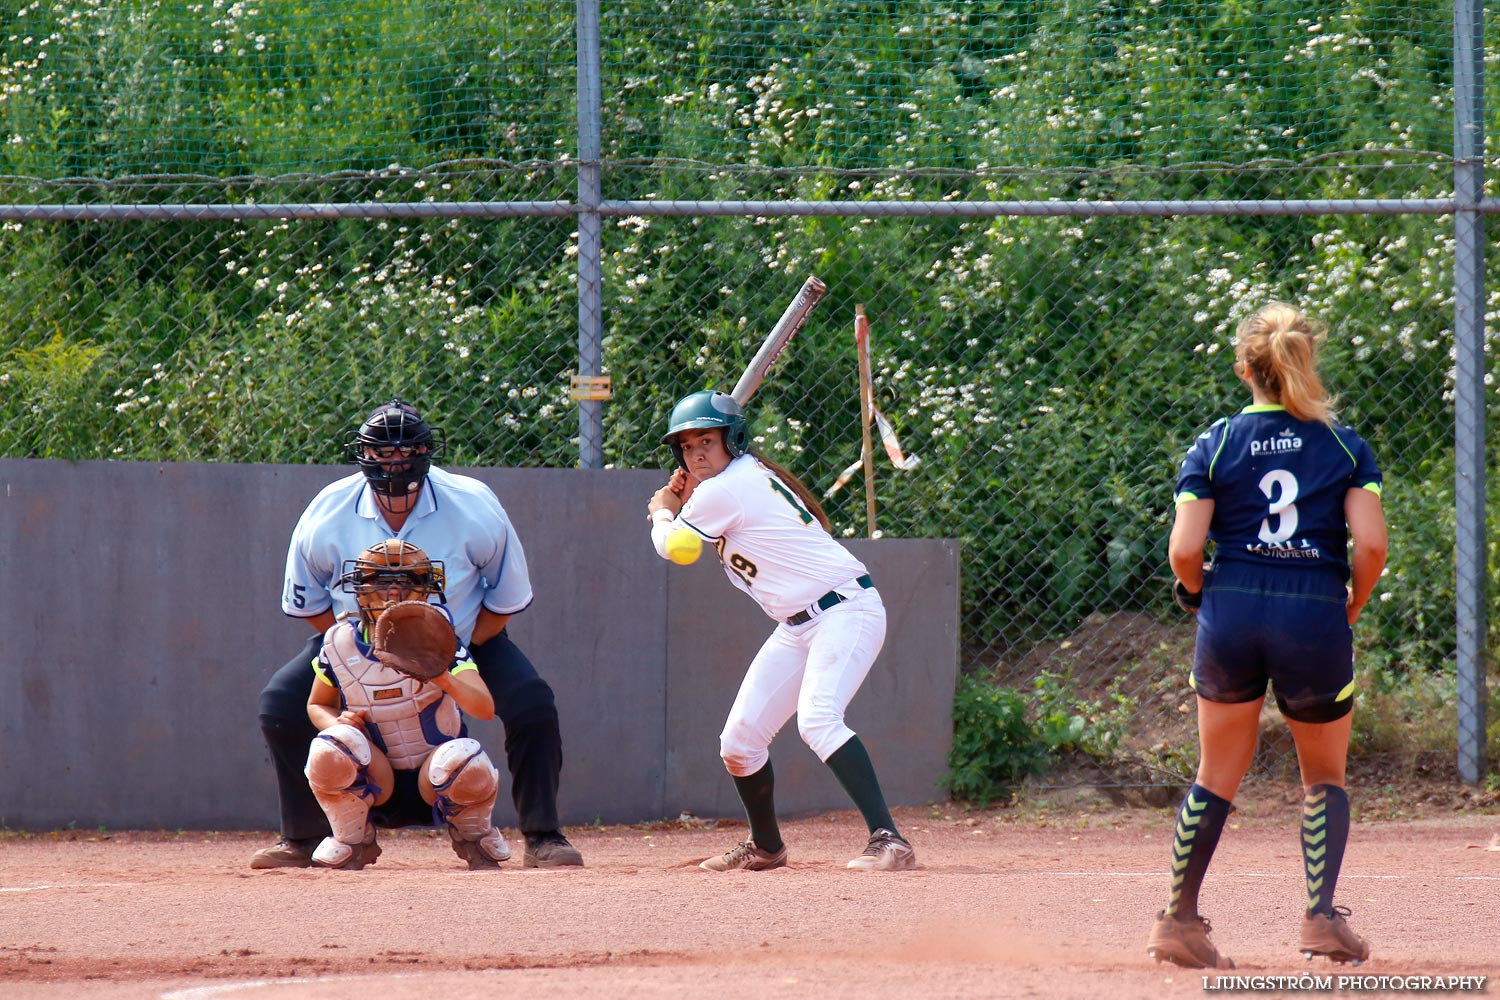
[404, 717]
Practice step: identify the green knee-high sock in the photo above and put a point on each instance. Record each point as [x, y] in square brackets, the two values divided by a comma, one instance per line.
[758, 793]
[1199, 823]
[1325, 834]
[851, 764]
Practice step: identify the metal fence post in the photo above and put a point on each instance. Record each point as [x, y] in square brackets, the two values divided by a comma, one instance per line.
[590, 262]
[1468, 333]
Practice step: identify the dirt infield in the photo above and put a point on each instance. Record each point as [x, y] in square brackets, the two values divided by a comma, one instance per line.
[1056, 905]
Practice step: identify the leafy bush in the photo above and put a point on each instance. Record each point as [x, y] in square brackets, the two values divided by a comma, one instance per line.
[1001, 736]
[995, 745]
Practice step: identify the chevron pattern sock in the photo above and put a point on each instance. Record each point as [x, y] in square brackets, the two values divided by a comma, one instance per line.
[1199, 823]
[1325, 834]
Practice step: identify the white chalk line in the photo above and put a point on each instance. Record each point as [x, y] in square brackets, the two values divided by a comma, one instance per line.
[64, 885]
[1293, 875]
[1344, 877]
[200, 992]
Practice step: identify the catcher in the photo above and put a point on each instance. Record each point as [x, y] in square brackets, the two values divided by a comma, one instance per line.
[391, 748]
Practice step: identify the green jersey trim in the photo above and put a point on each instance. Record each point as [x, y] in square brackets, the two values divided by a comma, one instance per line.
[1217, 452]
[699, 530]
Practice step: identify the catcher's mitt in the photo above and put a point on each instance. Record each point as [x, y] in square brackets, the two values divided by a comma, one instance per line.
[415, 638]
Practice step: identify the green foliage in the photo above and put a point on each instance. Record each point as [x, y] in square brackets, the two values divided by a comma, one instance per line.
[1067, 723]
[1001, 737]
[45, 389]
[1403, 714]
[995, 745]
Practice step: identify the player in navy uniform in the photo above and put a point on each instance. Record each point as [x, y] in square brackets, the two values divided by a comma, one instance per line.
[1279, 487]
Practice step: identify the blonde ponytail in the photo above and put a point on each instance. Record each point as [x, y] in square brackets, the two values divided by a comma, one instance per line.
[1279, 348]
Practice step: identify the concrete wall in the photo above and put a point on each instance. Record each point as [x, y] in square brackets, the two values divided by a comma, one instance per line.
[144, 613]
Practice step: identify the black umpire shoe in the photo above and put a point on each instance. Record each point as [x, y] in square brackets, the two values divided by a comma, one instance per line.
[550, 850]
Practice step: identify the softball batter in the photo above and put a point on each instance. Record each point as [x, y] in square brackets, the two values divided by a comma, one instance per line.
[772, 537]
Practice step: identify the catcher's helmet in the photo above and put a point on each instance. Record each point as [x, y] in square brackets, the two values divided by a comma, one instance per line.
[388, 572]
[394, 448]
[709, 408]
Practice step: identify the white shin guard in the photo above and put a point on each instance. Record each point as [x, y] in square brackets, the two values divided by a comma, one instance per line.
[467, 785]
[336, 763]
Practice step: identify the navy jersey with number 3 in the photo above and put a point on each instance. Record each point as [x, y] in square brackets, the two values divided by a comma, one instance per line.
[1278, 486]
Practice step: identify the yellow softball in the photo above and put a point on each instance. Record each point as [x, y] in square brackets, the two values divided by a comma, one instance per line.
[684, 545]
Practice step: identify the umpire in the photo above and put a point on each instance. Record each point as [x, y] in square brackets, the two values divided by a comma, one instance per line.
[459, 522]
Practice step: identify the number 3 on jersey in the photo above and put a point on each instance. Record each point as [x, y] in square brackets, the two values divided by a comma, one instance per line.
[1280, 487]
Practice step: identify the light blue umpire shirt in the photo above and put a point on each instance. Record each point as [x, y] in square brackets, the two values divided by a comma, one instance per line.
[456, 520]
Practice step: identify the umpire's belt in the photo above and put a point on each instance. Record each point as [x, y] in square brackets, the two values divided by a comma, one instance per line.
[827, 601]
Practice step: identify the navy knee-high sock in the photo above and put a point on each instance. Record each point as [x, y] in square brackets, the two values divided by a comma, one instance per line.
[1199, 823]
[851, 764]
[758, 794]
[1325, 834]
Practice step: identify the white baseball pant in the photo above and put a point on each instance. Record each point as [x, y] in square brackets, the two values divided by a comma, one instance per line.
[812, 670]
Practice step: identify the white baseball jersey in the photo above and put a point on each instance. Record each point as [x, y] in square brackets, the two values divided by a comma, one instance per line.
[456, 520]
[404, 717]
[771, 547]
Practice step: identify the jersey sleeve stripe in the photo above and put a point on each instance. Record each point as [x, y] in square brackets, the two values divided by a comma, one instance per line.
[1217, 452]
[1185, 497]
[1374, 488]
[1344, 446]
[510, 611]
[699, 530]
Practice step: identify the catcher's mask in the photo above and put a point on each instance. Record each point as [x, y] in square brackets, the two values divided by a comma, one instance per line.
[708, 408]
[390, 572]
[394, 448]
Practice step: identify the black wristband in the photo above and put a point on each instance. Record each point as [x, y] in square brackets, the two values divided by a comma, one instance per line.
[1187, 600]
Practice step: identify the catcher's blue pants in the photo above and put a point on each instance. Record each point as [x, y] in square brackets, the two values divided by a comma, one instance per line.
[1285, 626]
[523, 701]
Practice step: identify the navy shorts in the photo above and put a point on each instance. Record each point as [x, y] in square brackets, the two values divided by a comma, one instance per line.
[1284, 626]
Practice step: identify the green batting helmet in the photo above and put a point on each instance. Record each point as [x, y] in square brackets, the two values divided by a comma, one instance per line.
[708, 408]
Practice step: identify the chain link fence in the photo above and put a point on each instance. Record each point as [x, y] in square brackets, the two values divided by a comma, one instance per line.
[233, 227]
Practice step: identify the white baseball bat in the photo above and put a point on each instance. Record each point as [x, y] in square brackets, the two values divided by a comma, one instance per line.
[781, 334]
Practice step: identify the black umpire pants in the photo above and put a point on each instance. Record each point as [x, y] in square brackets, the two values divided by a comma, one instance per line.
[523, 701]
